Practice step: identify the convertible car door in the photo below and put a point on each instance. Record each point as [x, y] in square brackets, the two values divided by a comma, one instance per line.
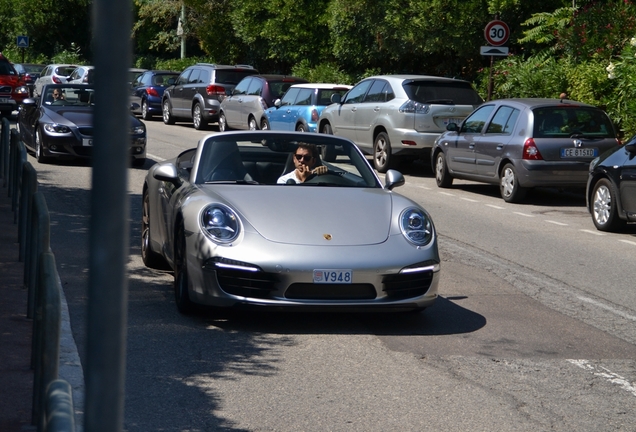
[628, 184]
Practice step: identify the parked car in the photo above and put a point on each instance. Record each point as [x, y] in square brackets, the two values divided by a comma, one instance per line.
[524, 143]
[203, 214]
[147, 91]
[133, 73]
[53, 74]
[245, 107]
[398, 117]
[611, 187]
[300, 107]
[62, 127]
[199, 90]
[30, 72]
[82, 75]
[13, 89]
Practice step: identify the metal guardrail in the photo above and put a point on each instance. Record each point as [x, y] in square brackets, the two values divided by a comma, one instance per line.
[52, 409]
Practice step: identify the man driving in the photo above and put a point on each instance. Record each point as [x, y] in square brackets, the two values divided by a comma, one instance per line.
[305, 158]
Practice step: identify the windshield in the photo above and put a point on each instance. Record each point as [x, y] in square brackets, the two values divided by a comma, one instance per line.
[69, 95]
[265, 158]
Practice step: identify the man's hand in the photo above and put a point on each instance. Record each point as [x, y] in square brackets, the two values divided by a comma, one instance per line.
[319, 170]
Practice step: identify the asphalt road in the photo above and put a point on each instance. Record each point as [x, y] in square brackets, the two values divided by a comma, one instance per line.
[535, 329]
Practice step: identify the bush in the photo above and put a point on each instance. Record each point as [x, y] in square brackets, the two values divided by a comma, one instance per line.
[322, 73]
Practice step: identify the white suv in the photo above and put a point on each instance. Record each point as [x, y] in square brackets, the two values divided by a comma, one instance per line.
[398, 117]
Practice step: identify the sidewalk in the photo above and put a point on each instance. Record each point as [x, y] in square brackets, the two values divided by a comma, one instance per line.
[16, 375]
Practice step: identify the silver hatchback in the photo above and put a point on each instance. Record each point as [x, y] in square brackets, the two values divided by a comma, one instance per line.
[524, 143]
[398, 117]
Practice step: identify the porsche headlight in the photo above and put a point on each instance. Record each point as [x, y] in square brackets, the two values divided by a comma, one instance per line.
[137, 130]
[416, 226]
[220, 223]
[57, 128]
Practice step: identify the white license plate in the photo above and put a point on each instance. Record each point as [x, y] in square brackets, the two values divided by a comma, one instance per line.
[578, 152]
[332, 276]
[87, 142]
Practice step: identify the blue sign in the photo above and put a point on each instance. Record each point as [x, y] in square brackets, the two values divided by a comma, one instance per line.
[23, 41]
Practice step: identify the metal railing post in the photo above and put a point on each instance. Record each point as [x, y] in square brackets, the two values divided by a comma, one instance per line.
[59, 407]
[29, 186]
[4, 150]
[40, 242]
[19, 159]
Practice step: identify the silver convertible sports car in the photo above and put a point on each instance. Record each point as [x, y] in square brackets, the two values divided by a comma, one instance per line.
[256, 218]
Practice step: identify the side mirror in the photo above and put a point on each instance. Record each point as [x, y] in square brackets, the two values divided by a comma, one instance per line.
[336, 98]
[393, 179]
[134, 106]
[452, 127]
[167, 172]
[29, 102]
[277, 103]
[631, 146]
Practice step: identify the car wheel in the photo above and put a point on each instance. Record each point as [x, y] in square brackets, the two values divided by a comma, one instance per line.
[604, 208]
[509, 185]
[39, 151]
[150, 258]
[382, 157]
[167, 115]
[326, 129]
[145, 114]
[222, 123]
[181, 279]
[301, 128]
[197, 117]
[264, 124]
[251, 124]
[442, 176]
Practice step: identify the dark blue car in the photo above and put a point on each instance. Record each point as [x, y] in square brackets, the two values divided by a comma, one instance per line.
[611, 188]
[147, 91]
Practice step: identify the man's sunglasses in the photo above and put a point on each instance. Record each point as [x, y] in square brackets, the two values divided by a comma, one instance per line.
[305, 158]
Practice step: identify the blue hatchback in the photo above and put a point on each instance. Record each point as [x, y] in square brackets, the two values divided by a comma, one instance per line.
[301, 106]
[147, 91]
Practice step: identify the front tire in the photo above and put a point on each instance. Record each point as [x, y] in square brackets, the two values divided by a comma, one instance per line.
[181, 279]
[251, 124]
[382, 157]
[604, 207]
[442, 176]
[197, 117]
[509, 185]
[222, 123]
[39, 148]
[167, 115]
[149, 257]
[264, 124]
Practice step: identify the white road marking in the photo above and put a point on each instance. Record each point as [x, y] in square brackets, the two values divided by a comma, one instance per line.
[446, 193]
[423, 187]
[557, 223]
[469, 200]
[523, 214]
[602, 372]
[592, 232]
[495, 207]
[628, 242]
[155, 157]
[609, 308]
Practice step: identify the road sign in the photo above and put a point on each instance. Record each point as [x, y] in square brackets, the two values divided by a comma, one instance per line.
[497, 33]
[493, 51]
[23, 41]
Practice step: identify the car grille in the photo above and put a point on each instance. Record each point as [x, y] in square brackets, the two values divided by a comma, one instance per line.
[309, 291]
[245, 283]
[407, 285]
[5, 89]
[86, 131]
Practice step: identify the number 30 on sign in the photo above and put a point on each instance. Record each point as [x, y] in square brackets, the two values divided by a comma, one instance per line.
[497, 33]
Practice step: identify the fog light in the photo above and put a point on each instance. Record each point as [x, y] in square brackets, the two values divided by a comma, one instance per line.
[53, 147]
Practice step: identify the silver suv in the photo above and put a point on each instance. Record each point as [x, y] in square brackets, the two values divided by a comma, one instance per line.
[398, 117]
[198, 92]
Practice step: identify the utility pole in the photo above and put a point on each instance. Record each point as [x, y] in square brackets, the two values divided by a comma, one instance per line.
[181, 32]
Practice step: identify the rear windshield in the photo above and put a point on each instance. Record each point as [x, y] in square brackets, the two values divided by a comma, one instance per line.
[65, 70]
[551, 122]
[232, 76]
[442, 92]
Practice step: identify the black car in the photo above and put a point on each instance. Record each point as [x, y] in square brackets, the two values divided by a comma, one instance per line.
[198, 92]
[611, 187]
[147, 91]
[59, 124]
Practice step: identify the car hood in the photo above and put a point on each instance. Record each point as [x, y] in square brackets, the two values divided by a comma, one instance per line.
[80, 117]
[308, 215]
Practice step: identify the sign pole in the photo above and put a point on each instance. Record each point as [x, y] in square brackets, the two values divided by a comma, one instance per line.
[490, 79]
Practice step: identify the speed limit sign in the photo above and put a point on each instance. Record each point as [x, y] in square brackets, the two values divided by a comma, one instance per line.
[497, 33]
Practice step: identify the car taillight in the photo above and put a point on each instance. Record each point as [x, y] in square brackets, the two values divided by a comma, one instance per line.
[530, 150]
[152, 92]
[215, 90]
[56, 80]
[314, 115]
